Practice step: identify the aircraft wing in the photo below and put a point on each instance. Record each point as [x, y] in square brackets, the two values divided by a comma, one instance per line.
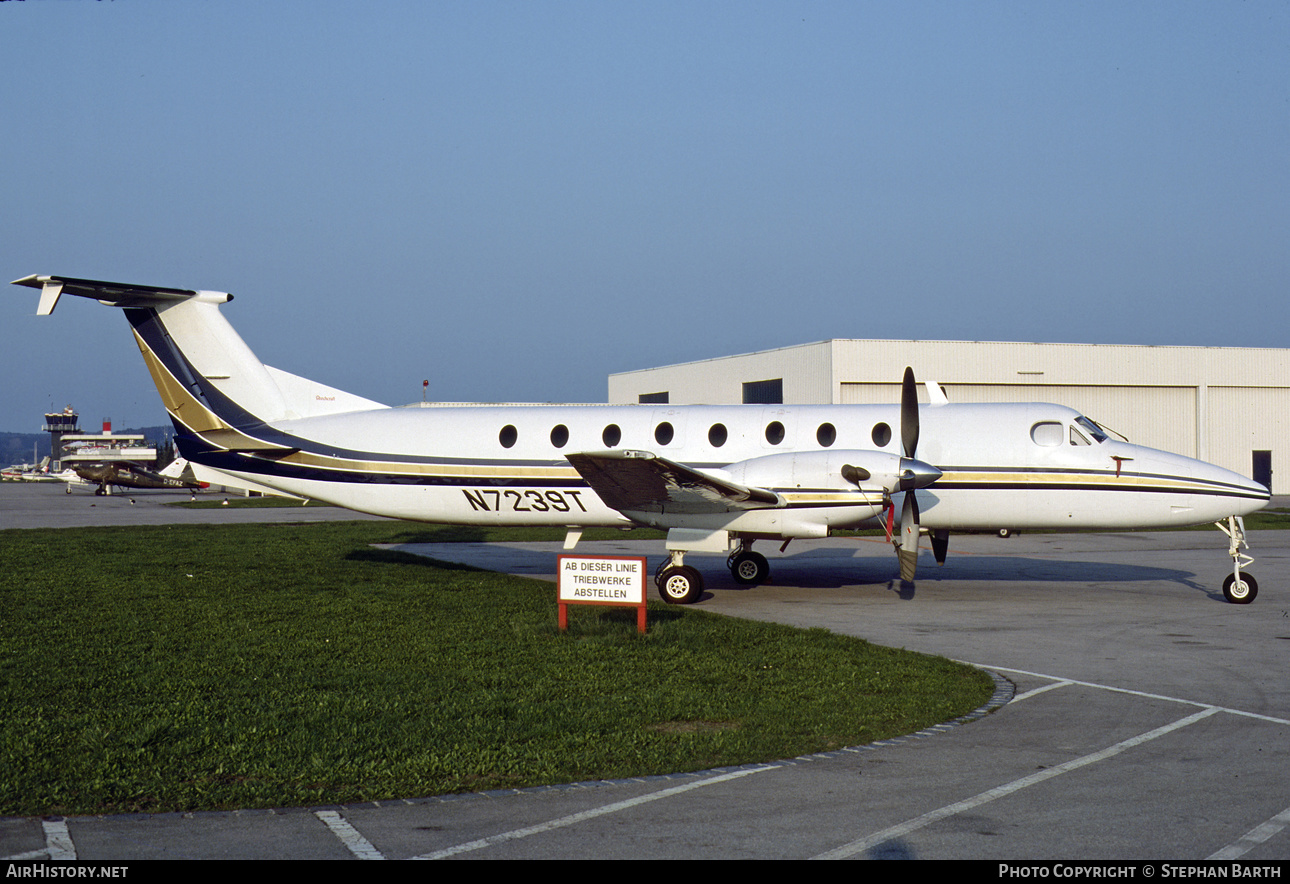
[638, 481]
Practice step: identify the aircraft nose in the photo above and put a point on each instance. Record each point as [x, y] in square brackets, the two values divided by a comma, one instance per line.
[1195, 491]
[1234, 494]
[1259, 495]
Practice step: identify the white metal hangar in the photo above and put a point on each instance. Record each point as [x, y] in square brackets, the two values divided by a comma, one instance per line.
[1225, 405]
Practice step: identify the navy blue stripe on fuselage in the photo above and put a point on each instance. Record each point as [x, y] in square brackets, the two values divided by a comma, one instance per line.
[1112, 481]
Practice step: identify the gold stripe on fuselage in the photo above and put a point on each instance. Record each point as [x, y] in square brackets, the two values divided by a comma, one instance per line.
[1095, 481]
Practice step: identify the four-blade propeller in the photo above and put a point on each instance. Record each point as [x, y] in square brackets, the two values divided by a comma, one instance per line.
[914, 474]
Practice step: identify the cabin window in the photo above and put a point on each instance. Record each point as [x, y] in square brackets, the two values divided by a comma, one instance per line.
[774, 432]
[826, 435]
[663, 433]
[611, 436]
[1048, 433]
[559, 435]
[881, 435]
[507, 436]
[717, 435]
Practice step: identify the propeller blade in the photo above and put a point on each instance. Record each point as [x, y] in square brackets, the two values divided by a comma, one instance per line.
[909, 413]
[908, 551]
[914, 474]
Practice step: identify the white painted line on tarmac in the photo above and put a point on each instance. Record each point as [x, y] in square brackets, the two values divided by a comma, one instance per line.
[1253, 838]
[863, 844]
[348, 835]
[593, 813]
[1106, 687]
[58, 841]
[1062, 683]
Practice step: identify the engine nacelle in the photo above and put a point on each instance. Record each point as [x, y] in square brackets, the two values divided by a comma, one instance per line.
[839, 470]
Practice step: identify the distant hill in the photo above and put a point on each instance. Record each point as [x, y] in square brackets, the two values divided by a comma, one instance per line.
[17, 447]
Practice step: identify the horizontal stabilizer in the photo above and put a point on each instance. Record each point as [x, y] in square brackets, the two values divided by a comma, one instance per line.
[638, 481]
[114, 294]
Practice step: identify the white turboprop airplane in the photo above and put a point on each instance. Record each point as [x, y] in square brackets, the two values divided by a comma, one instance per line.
[716, 478]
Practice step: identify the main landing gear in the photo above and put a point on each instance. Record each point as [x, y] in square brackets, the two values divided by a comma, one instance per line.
[679, 584]
[1238, 588]
[747, 567]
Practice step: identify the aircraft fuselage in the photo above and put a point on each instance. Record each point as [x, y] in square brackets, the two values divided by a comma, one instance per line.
[504, 465]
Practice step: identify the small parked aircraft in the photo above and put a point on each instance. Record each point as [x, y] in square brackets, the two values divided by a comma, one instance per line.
[716, 478]
[124, 474]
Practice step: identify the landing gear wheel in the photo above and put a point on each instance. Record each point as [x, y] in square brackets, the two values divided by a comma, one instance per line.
[1240, 592]
[749, 568]
[680, 586]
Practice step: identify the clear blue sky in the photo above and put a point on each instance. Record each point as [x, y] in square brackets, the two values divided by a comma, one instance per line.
[515, 199]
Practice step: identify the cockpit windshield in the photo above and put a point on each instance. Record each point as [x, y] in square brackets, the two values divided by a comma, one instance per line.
[1092, 429]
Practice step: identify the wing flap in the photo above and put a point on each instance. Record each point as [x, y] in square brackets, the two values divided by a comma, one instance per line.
[638, 481]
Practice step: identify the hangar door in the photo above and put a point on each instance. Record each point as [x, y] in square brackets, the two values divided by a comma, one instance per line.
[1249, 429]
[1161, 417]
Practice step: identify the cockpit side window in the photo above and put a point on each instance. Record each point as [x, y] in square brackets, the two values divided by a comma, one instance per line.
[1048, 433]
[1077, 438]
[1098, 434]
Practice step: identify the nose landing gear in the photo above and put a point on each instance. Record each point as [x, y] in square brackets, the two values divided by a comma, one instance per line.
[1238, 588]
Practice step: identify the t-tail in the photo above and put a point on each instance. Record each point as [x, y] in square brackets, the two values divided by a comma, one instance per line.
[214, 388]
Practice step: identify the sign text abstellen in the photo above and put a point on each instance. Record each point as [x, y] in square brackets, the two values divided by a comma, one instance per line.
[603, 580]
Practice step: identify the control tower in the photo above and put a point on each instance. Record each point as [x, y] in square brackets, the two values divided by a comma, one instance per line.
[59, 425]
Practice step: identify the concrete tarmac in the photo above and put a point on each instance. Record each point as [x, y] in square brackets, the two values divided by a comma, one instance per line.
[49, 505]
[1139, 717]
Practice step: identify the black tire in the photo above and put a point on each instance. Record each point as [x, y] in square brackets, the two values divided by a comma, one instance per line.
[749, 568]
[1240, 593]
[680, 586]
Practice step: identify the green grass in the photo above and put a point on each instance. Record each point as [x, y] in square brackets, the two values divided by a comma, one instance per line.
[1265, 519]
[215, 667]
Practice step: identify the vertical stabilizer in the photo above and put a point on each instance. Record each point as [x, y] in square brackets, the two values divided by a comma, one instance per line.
[207, 376]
